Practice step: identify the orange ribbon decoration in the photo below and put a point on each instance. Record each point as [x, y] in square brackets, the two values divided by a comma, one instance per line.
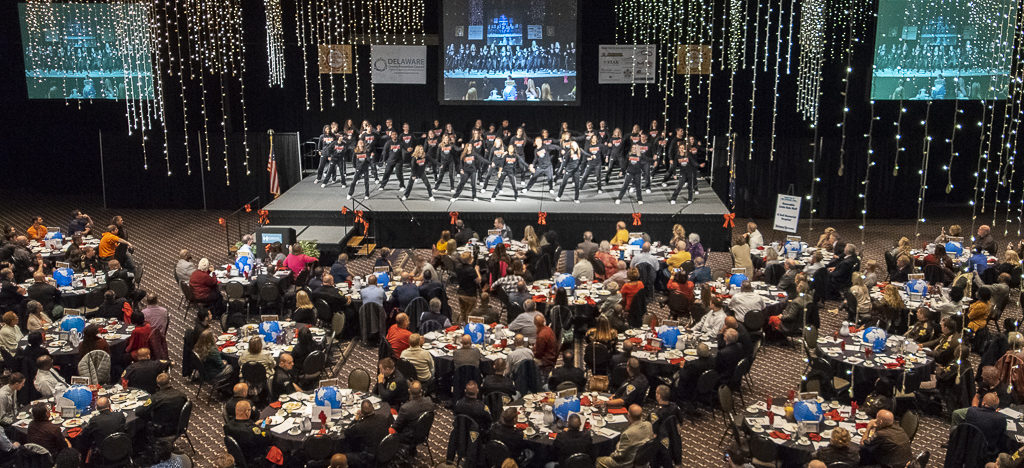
[221, 221]
[359, 216]
[344, 210]
[264, 217]
[542, 217]
[248, 208]
[454, 215]
[636, 219]
[729, 217]
[360, 220]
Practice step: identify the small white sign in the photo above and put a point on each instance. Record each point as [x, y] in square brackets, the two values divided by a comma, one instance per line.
[787, 213]
[398, 64]
[626, 64]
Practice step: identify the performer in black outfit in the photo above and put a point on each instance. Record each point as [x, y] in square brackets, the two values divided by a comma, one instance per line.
[698, 154]
[369, 139]
[469, 162]
[687, 172]
[572, 169]
[362, 162]
[325, 143]
[593, 154]
[616, 151]
[448, 160]
[506, 163]
[408, 143]
[603, 132]
[419, 163]
[517, 146]
[491, 158]
[430, 142]
[394, 160]
[634, 167]
[647, 161]
[337, 162]
[542, 164]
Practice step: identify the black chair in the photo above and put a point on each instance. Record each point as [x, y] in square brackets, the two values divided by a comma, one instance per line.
[462, 442]
[119, 287]
[314, 364]
[763, 452]
[773, 273]
[645, 454]
[496, 402]
[270, 295]
[736, 382]
[648, 277]
[495, 452]
[384, 350]
[389, 449]
[909, 422]
[116, 450]
[704, 389]
[182, 430]
[323, 310]
[319, 447]
[414, 309]
[359, 380]
[407, 369]
[421, 432]
[94, 299]
[678, 305]
[235, 291]
[890, 264]
[578, 460]
[596, 357]
[967, 447]
[462, 376]
[255, 375]
[236, 452]
[33, 456]
[754, 322]
[513, 311]
[618, 376]
[922, 459]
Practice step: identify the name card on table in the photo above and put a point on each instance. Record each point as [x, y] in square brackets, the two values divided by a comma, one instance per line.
[64, 404]
[494, 232]
[793, 239]
[635, 235]
[381, 269]
[567, 393]
[79, 380]
[958, 240]
[671, 323]
[738, 271]
[808, 395]
[269, 318]
[476, 319]
[64, 336]
[326, 410]
[329, 383]
[62, 265]
[915, 276]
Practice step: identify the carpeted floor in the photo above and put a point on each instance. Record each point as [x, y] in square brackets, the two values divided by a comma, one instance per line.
[158, 235]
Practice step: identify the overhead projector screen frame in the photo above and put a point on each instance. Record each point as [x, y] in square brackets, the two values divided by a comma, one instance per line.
[442, 50]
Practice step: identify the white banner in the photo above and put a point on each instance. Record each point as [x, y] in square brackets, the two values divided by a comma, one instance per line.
[787, 213]
[398, 64]
[626, 64]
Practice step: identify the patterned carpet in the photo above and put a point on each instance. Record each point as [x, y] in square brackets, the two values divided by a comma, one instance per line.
[158, 235]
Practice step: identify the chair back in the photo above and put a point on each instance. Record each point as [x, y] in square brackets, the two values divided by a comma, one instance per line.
[678, 304]
[116, 449]
[618, 376]
[184, 417]
[235, 291]
[33, 456]
[463, 440]
[95, 365]
[254, 374]
[359, 380]
[645, 454]
[596, 358]
[314, 363]
[338, 324]
[922, 459]
[706, 384]
[384, 350]
[578, 460]
[909, 423]
[323, 309]
[495, 452]
[967, 447]
[319, 447]
[94, 298]
[726, 400]
[526, 377]
[119, 287]
[463, 374]
[773, 273]
[414, 309]
[742, 369]
[890, 263]
[388, 449]
[513, 311]
[421, 429]
[371, 322]
[270, 293]
[762, 450]
[754, 321]
[407, 369]
[496, 402]
[236, 452]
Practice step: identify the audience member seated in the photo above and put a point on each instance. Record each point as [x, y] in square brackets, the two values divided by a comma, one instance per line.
[398, 335]
[603, 333]
[253, 439]
[484, 311]
[729, 356]
[524, 323]
[284, 381]
[104, 423]
[144, 371]
[471, 405]
[925, 329]
[296, 261]
[44, 433]
[420, 359]
[712, 321]
[304, 312]
[466, 354]
[741, 256]
[567, 372]
[37, 318]
[685, 379]
[520, 352]
[48, 382]
[406, 292]
[214, 369]
[339, 270]
[880, 398]
[885, 443]
[632, 287]
[633, 390]
[497, 381]
[304, 346]
[392, 386]
[140, 335]
[409, 414]
[620, 276]
[91, 341]
[45, 293]
[630, 441]
[204, 288]
[582, 270]
[10, 333]
[839, 449]
[987, 383]
[161, 410]
[977, 315]
[545, 348]
[155, 314]
[184, 268]
[371, 292]
[255, 353]
[572, 440]
[746, 300]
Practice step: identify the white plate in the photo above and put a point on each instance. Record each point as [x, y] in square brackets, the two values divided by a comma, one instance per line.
[757, 429]
[230, 350]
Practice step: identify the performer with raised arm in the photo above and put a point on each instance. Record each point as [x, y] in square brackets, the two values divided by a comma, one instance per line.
[616, 152]
[506, 161]
[369, 139]
[647, 161]
[490, 159]
[361, 161]
[419, 164]
[542, 164]
[571, 169]
[448, 160]
[593, 155]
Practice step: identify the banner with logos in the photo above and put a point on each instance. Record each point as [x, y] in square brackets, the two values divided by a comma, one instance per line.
[335, 59]
[626, 64]
[398, 64]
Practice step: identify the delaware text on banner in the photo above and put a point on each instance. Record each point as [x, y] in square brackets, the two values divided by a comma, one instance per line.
[335, 58]
[398, 64]
[693, 59]
[626, 64]
[275, 183]
[787, 213]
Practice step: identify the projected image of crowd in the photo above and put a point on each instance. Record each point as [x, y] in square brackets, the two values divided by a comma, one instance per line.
[468, 60]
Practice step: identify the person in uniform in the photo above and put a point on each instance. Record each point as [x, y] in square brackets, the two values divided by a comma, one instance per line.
[470, 405]
[634, 168]
[394, 161]
[162, 409]
[593, 155]
[103, 424]
[447, 159]
[362, 163]
[507, 161]
[364, 435]
[469, 162]
[284, 377]
[391, 384]
[633, 390]
[571, 169]
[542, 165]
[251, 437]
[410, 412]
[667, 434]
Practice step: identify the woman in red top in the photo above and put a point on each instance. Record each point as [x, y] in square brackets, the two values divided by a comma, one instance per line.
[681, 284]
[939, 257]
[140, 335]
[297, 261]
[631, 288]
[610, 262]
[203, 284]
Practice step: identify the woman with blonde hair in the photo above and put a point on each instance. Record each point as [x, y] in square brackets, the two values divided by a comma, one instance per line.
[304, 312]
[861, 310]
[603, 333]
[741, 256]
[823, 239]
[678, 234]
[530, 239]
[545, 92]
[902, 248]
[441, 247]
[839, 450]
[888, 310]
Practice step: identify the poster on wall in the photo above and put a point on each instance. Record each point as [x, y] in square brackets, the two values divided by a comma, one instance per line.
[398, 64]
[693, 59]
[626, 64]
[787, 213]
[335, 58]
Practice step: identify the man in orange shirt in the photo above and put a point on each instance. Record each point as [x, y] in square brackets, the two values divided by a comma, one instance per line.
[398, 335]
[109, 243]
[36, 231]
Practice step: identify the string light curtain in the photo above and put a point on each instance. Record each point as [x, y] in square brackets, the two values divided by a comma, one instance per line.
[275, 42]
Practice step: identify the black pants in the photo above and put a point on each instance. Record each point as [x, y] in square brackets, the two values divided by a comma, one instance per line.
[548, 172]
[364, 173]
[612, 162]
[573, 175]
[689, 177]
[634, 179]
[334, 172]
[487, 176]
[412, 180]
[647, 175]
[446, 168]
[396, 166]
[591, 169]
[466, 176]
[507, 174]
[320, 169]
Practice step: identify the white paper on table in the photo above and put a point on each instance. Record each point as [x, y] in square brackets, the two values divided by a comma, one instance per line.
[607, 433]
[437, 352]
[818, 445]
[283, 427]
[777, 441]
[779, 410]
[615, 418]
[850, 427]
[1020, 439]
[374, 399]
[1011, 426]
[763, 421]
[1010, 413]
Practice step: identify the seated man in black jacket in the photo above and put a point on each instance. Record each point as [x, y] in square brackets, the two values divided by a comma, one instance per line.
[471, 405]
[115, 272]
[728, 357]
[162, 409]
[497, 381]
[841, 271]
[239, 393]
[251, 438]
[364, 435]
[103, 424]
[284, 377]
[574, 439]
[685, 379]
[410, 412]
[568, 372]
[505, 431]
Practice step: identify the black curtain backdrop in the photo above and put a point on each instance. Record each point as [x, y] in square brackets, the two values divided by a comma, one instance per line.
[54, 146]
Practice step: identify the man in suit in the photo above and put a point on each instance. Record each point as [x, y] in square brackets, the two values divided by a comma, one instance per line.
[497, 381]
[985, 417]
[841, 275]
[505, 431]
[267, 279]
[142, 373]
[885, 443]
[588, 246]
[743, 336]
[364, 435]
[470, 405]
[162, 409]
[104, 423]
[729, 356]
[431, 287]
[634, 437]
[685, 379]
[405, 293]
[568, 372]
[405, 422]
[572, 440]
[666, 434]
[115, 272]
[238, 393]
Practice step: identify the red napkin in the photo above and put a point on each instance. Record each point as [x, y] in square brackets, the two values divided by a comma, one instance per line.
[853, 329]
[449, 346]
[636, 340]
[494, 324]
[275, 456]
[552, 435]
[617, 410]
[74, 432]
[392, 430]
[834, 415]
[103, 330]
[394, 412]
[779, 435]
[861, 425]
[225, 345]
[276, 404]
[892, 365]
[782, 295]
[522, 426]
[814, 436]
[590, 301]
[451, 328]
[991, 260]
[675, 361]
[540, 298]
[585, 401]
[760, 247]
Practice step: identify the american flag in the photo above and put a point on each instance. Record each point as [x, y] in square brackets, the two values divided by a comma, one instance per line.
[275, 184]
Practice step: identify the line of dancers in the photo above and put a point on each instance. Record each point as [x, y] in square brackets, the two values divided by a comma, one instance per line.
[508, 156]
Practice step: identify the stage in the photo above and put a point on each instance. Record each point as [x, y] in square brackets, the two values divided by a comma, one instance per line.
[418, 222]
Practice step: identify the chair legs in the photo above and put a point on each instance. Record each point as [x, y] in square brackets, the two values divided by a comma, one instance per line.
[189, 439]
[430, 452]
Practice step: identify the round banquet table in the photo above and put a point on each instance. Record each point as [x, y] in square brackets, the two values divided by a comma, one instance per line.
[123, 400]
[59, 254]
[937, 303]
[441, 345]
[851, 359]
[660, 361]
[794, 450]
[66, 356]
[297, 407]
[73, 297]
[539, 436]
[235, 342]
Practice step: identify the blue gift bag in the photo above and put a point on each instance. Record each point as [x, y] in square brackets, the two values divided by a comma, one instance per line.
[954, 248]
[476, 332]
[493, 240]
[874, 337]
[637, 241]
[566, 281]
[563, 408]
[63, 276]
[383, 279]
[327, 396]
[737, 279]
[807, 410]
[669, 337]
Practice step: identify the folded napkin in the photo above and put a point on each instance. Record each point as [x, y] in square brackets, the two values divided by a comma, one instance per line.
[892, 365]
[226, 344]
[834, 415]
[522, 425]
[861, 425]
[782, 295]
[760, 247]
[494, 324]
[552, 435]
[650, 348]
[814, 437]
[636, 340]
[585, 401]
[617, 411]
[590, 301]
[449, 346]
[676, 361]
[779, 435]
[74, 432]
[540, 298]
[276, 404]
[394, 412]
[451, 328]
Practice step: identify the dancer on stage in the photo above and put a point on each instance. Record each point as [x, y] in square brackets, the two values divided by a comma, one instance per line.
[430, 143]
[647, 161]
[468, 168]
[687, 172]
[491, 158]
[603, 132]
[394, 161]
[419, 163]
[616, 151]
[408, 143]
[571, 170]
[337, 162]
[506, 162]
[634, 167]
[699, 157]
[361, 161]
[326, 145]
[369, 139]
[593, 155]
[517, 146]
[542, 164]
[448, 160]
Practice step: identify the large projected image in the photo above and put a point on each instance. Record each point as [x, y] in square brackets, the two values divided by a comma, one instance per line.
[86, 51]
[943, 49]
[509, 51]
